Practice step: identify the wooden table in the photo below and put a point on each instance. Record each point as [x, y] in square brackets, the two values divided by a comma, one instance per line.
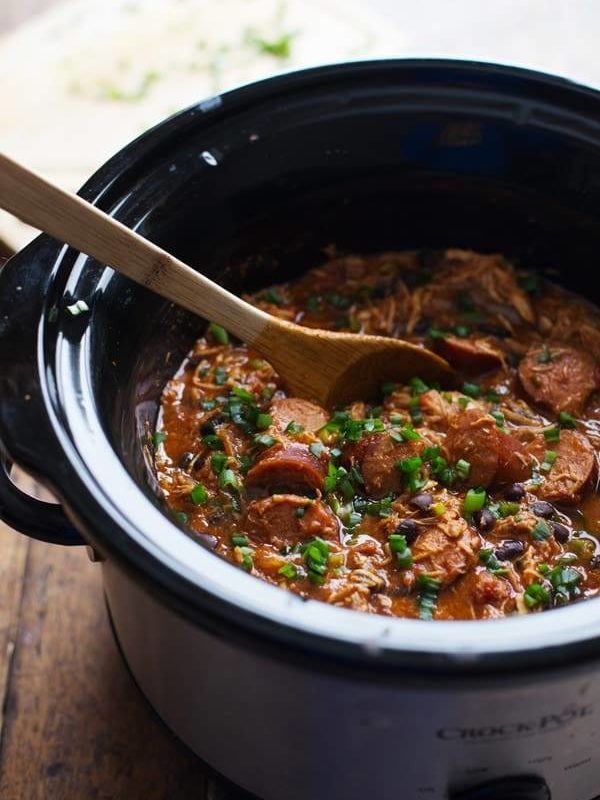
[73, 724]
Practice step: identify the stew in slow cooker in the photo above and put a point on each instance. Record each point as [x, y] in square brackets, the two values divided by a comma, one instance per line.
[474, 501]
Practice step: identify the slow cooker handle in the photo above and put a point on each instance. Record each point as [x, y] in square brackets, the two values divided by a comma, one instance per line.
[44, 521]
[26, 435]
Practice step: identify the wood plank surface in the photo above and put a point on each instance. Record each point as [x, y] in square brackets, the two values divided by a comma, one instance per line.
[75, 724]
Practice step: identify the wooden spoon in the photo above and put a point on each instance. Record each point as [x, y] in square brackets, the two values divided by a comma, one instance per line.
[330, 367]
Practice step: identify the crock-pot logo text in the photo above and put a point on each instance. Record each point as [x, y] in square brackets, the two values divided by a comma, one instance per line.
[513, 730]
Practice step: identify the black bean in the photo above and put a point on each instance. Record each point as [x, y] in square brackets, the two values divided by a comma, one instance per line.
[409, 529]
[186, 460]
[509, 550]
[209, 427]
[542, 509]
[421, 501]
[514, 492]
[560, 531]
[594, 562]
[484, 519]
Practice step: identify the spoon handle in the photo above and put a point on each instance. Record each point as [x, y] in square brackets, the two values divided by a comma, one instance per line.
[70, 219]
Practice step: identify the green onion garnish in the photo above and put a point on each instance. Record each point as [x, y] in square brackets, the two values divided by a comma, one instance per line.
[474, 501]
[218, 462]
[288, 571]
[491, 561]
[158, 437]
[418, 386]
[536, 594]
[228, 479]
[212, 441]
[471, 390]
[498, 416]
[218, 333]
[552, 435]
[400, 548]
[541, 531]
[264, 440]
[239, 540]
[199, 495]
[462, 467]
[263, 421]
[428, 588]
[566, 420]
[294, 428]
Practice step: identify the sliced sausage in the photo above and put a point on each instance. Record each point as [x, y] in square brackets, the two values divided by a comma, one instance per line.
[494, 456]
[573, 470]
[293, 409]
[292, 468]
[514, 462]
[470, 356]
[446, 549]
[559, 377]
[376, 457]
[284, 519]
[489, 589]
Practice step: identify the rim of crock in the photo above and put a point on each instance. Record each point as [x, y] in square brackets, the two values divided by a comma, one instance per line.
[204, 586]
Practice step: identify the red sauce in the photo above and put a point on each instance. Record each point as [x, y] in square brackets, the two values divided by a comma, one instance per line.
[472, 502]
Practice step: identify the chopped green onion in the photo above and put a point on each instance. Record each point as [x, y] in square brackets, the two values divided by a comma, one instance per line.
[221, 376]
[402, 551]
[217, 462]
[207, 405]
[491, 561]
[396, 419]
[316, 448]
[182, 517]
[550, 457]
[498, 416]
[263, 421]
[219, 333]
[493, 397]
[239, 540]
[264, 440]
[228, 479]
[508, 508]
[552, 435]
[388, 388]
[536, 594]
[199, 495]
[279, 48]
[541, 531]
[474, 501]
[414, 408]
[288, 571]
[566, 420]
[428, 588]
[247, 562]
[409, 434]
[462, 331]
[158, 437]
[462, 467]
[294, 428]
[300, 512]
[410, 464]
[316, 555]
[463, 402]
[396, 436]
[471, 390]
[418, 386]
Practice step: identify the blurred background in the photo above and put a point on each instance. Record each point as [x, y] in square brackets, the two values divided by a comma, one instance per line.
[80, 78]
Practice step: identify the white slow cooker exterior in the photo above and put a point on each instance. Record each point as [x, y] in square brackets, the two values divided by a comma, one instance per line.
[287, 733]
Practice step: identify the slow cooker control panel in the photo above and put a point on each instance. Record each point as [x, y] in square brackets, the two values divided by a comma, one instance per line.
[526, 787]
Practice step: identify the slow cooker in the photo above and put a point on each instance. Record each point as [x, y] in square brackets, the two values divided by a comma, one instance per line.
[294, 699]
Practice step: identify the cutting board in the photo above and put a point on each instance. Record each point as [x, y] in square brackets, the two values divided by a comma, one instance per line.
[83, 79]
